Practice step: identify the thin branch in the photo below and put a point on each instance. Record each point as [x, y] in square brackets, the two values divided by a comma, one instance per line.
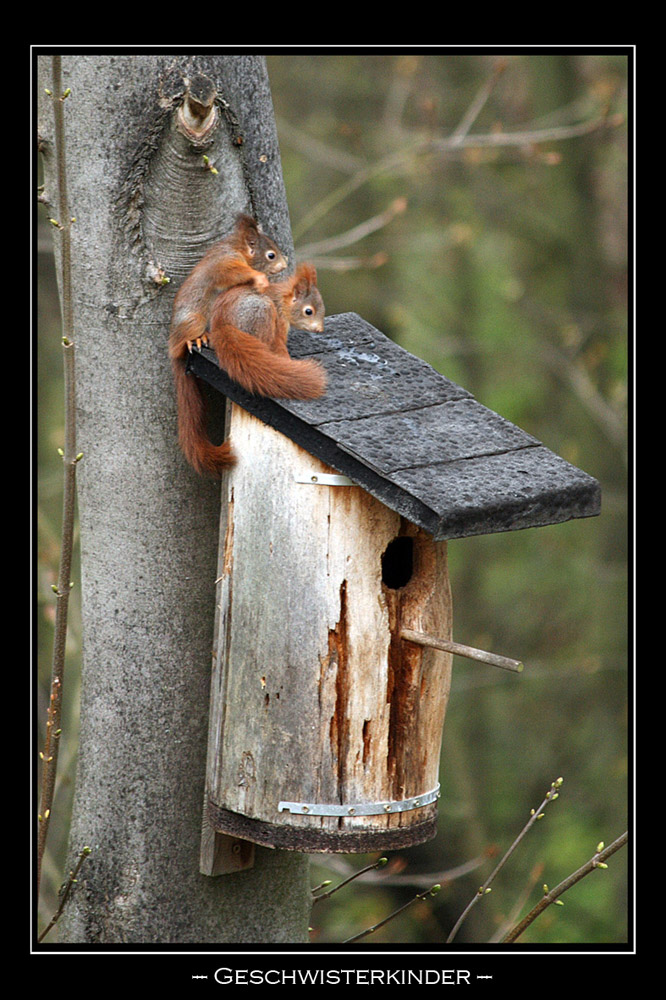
[416, 149]
[361, 177]
[432, 891]
[71, 882]
[601, 412]
[400, 88]
[568, 367]
[598, 860]
[324, 895]
[517, 908]
[536, 814]
[478, 103]
[49, 754]
[531, 137]
[322, 885]
[340, 264]
[315, 150]
[419, 880]
[355, 234]
[424, 879]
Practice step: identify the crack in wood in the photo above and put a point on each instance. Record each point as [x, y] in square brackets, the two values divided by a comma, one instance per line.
[339, 725]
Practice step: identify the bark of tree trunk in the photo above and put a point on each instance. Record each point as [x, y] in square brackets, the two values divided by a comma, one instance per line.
[143, 199]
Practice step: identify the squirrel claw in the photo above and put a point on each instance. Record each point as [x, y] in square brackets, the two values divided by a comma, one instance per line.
[203, 340]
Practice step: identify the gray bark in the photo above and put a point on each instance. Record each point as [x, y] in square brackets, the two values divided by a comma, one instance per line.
[141, 198]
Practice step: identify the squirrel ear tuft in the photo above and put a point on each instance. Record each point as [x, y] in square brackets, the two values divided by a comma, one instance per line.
[306, 274]
[246, 226]
[248, 231]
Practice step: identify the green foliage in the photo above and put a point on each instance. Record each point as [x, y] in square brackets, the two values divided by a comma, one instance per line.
[508, 273]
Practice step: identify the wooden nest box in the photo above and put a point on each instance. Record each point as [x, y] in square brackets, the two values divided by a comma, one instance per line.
[333, 651]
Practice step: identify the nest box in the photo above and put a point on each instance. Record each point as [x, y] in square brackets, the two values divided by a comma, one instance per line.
[333, 649]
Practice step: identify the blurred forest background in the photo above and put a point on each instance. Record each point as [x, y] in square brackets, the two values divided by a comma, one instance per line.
[475, 209]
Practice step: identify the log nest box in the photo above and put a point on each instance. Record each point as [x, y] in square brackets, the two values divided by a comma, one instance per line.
[333, 648]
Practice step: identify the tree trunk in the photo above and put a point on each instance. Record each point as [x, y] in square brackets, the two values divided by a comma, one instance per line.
[144, 200]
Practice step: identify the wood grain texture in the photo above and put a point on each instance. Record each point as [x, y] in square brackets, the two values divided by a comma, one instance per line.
[315, 697]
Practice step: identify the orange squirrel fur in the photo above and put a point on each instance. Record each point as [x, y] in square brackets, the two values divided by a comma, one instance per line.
[244, 255]
[248, 331]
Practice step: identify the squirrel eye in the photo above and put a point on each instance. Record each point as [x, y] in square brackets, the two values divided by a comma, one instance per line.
[308, 310]
[271, 255]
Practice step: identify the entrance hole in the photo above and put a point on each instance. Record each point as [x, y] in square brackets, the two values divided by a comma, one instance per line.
[398, 563]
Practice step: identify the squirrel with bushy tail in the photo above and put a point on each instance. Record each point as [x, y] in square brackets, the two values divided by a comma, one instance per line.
[228, 303]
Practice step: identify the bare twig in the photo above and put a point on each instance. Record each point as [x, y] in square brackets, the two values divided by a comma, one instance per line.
[530, 137]
[599, 409]
[598, 860]
[432, 891]
[49, 754]
[422, 880]
[478, 103]
[324, 895]
[535, 815]
[317, 151]
[390, 163]
[400, 88]
[71, 881]
[417, 149]
[341, 264]
[397, 206]
[322, 885]
[516, 910]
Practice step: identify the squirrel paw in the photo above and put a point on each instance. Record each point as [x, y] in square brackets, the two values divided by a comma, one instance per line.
[203, 339]
[261, 282]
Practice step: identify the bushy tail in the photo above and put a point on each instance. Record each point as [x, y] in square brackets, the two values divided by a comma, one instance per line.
[248, 361]
[201, 453]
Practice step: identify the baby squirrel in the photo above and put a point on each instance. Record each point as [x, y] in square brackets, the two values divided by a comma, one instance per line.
[245, 255]
[248, 327]
[248, 332]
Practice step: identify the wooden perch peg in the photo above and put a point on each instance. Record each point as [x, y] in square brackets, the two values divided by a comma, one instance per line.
[422, 639]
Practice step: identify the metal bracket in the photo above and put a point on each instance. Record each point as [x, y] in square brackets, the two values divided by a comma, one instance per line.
[324, 479]
[361, 808]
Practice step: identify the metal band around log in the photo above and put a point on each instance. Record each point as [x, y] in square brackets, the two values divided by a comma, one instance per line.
[360, 808]
[324, 479]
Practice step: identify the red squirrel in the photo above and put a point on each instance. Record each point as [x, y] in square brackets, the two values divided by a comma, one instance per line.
[245, 255]
[248, 332]
[248, 327]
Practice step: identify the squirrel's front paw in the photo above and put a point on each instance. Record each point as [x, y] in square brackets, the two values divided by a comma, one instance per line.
[202, 340]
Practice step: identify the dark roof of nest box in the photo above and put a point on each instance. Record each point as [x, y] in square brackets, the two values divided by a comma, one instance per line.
[415, 440]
